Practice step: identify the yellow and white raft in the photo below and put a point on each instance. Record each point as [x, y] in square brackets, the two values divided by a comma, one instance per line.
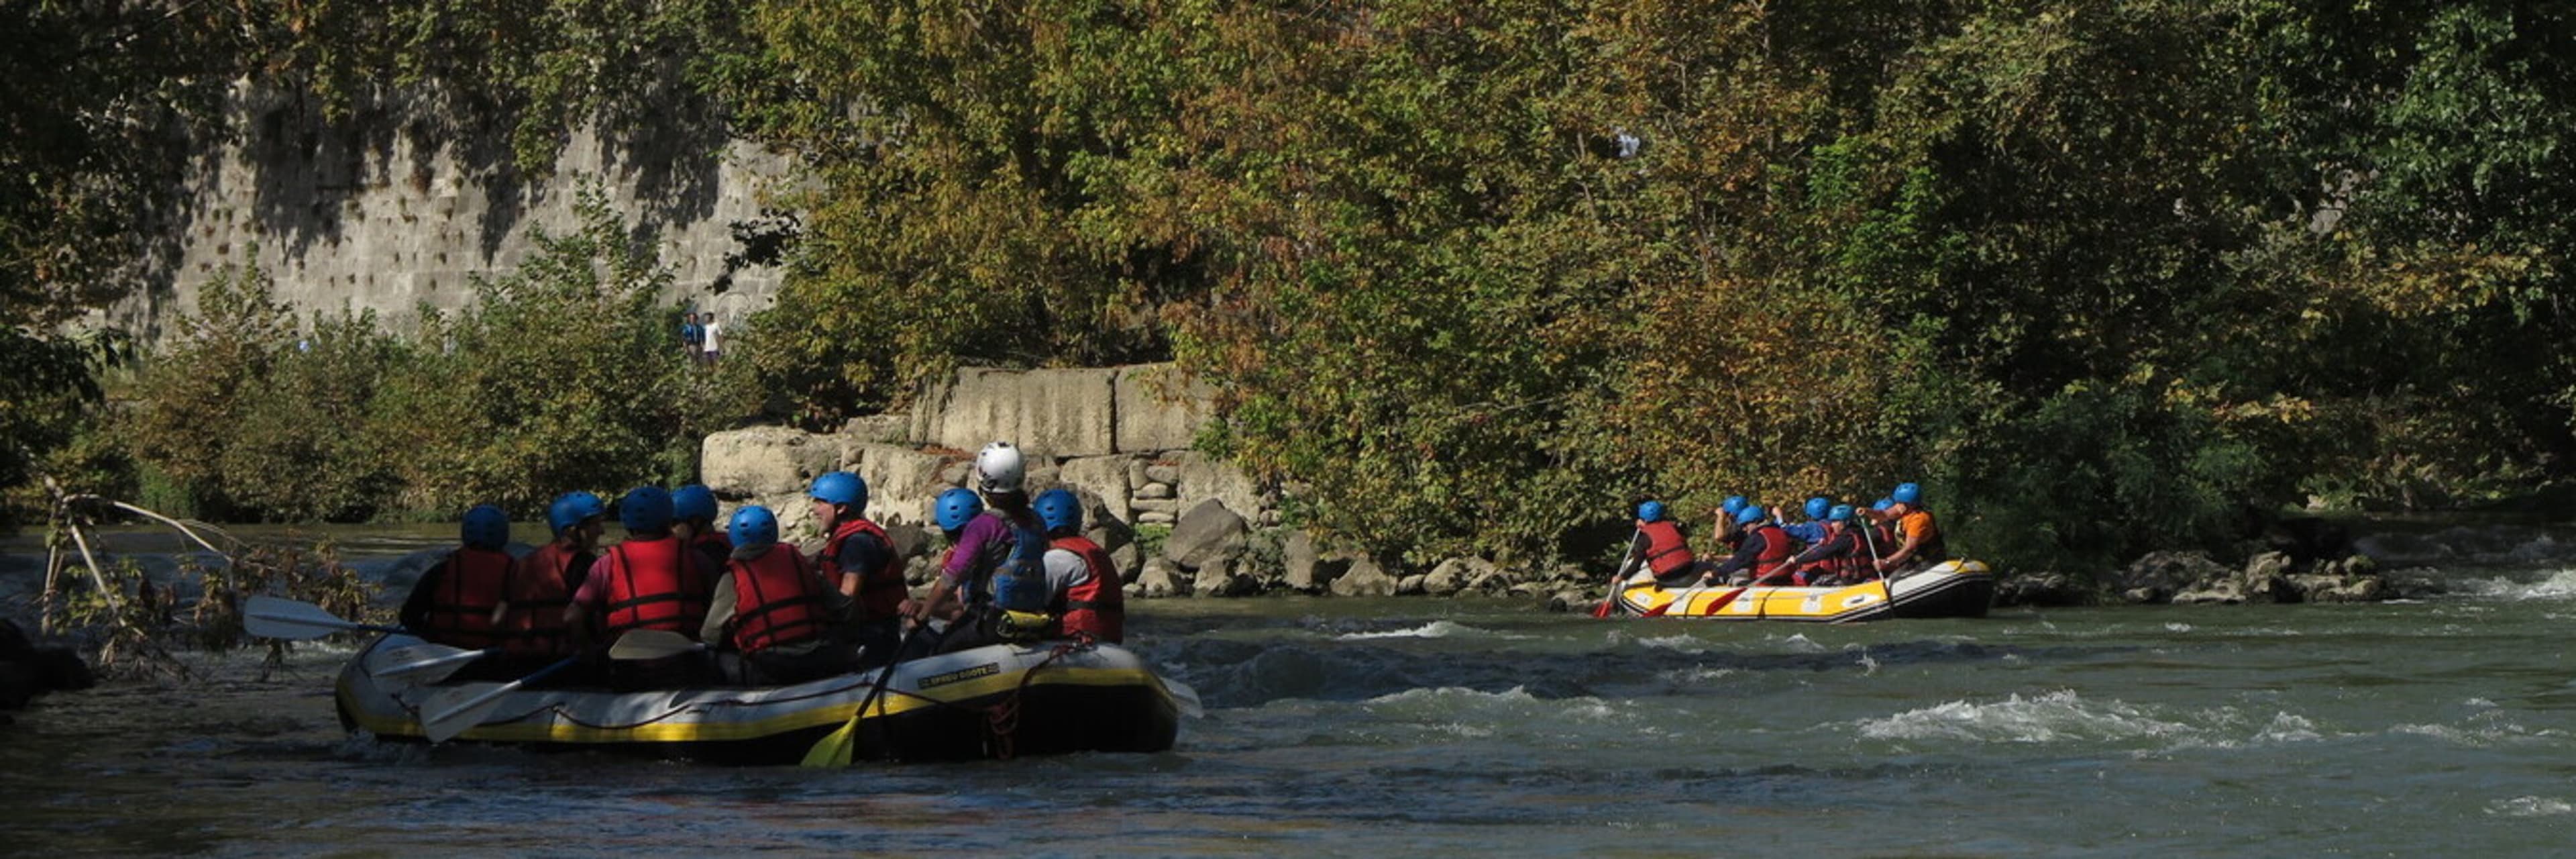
[997, 701]
[1959, 588]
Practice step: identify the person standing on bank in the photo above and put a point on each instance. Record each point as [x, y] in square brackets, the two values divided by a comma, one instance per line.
[773, 614]
[1085, 592]
[861, 564]
[708, 331]
[996, 571]
[692, 337]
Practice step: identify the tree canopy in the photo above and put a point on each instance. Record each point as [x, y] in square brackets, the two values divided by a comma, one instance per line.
[2104, 274]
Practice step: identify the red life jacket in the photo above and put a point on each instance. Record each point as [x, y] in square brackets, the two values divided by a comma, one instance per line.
[881, 591]
[713, 545]
[1096, 608]
[1776, 546]
[1852, 564]
[539, 588]
[460, 609]
[656, 584]
[1666, 551]
[777, 600]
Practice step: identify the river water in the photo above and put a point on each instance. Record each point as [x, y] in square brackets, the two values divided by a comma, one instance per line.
[1414, 726]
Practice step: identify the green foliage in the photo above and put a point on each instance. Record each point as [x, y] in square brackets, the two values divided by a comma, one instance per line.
[2105, 275]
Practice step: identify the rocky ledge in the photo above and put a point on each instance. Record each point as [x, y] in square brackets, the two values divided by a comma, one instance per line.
[2195, 578]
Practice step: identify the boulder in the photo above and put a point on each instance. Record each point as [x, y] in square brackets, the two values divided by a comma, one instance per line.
[2340, 589]
[2042, 589]
[2267, 564]
[1201, 477]
[1060, 413]
[1160, 578]
[2146, 596]
[1445, 579]
[1209, 536]
[756, 462]
[1570, 601]
[1228, 581]
[2172, 572]
[1126, 558]
[1364, 578]
[1103, 482]
[2270, 588]
[1306, 571]
[880, 429]
[908, 540]
[27, 670]
[2353, 565]
[1158, 408]
[1411, 586]
[2223, 591]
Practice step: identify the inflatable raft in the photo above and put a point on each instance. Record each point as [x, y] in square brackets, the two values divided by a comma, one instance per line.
[1959, 588]
[998, 701]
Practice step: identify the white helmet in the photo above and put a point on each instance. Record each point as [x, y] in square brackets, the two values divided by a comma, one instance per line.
[999, 468]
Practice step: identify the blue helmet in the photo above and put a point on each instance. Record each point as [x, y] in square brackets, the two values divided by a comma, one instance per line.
[956, 507]
[1734, 504]
[486, 527]
[1749, 514]
[1059, 510]
[1840, 513]
[1906, 493]
[574, 508]
[645, 508]
[693, 502]
[753, 525]
[1651, 511]
[1818, 506]
[841, 487]
[1883, 504]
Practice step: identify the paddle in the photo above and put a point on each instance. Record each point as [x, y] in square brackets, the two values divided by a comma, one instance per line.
[275, 617]
[1183, 696]
[421, 664]
[1617, 579]
[838, 747]
[449, 713]
[653, 644]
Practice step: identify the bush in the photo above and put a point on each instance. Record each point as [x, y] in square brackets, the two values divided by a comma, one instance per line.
[561, 376]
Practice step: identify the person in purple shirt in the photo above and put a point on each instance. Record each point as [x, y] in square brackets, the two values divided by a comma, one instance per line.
[993, 581]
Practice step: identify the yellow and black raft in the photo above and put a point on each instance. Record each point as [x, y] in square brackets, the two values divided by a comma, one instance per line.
[1959, 588]
[990, 702]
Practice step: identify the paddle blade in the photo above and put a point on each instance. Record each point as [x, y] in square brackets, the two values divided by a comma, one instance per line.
[1720, 603]
[834, 749]
[652, 644]
[272, 617]
[1184, 697]
[1603, 610]
[420, 663]
[451, 712]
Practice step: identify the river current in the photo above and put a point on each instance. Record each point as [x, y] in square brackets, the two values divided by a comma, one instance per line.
[2445, 726]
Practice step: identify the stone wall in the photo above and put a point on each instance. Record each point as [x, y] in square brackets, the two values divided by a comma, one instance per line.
[397, 206]
[1120, 438]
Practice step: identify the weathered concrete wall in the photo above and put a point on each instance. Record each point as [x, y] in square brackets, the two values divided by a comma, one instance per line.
[396, 207]
[1145, 408]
